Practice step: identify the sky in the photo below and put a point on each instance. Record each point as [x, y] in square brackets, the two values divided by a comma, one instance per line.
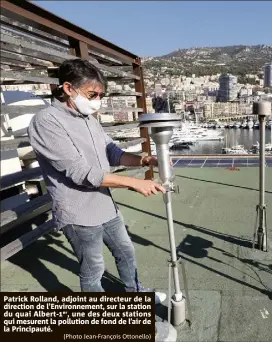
[155, 28]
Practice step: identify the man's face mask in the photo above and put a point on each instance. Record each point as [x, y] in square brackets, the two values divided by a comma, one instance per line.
[87, 106]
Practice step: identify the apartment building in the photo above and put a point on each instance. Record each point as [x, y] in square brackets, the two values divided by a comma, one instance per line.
[226, 109]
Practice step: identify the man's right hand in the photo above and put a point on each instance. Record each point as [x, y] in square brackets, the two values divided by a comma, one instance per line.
[144, 187]
[147, 187]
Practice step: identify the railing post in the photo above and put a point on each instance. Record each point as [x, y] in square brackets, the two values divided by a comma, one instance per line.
[141, 103]
[79, 49]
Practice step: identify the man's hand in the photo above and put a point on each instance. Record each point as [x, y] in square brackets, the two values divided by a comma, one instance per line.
[152, 161]
[129, 159]
[147, 187]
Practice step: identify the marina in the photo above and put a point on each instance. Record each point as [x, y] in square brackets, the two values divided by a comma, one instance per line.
[195, 139]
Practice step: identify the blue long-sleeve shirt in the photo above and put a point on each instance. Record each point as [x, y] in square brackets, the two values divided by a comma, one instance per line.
[74, 154]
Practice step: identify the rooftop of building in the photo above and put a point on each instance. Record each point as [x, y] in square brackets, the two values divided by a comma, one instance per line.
[229, 284]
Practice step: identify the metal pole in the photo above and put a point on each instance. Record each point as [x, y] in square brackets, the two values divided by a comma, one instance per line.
[168, 104]
[261, 241]
[262, 109]
[169, 212]
[167, 177]
[161, 125]
[161, 137]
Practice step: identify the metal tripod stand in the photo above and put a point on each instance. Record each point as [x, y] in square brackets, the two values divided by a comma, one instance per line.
[262, 109]
[161, 130]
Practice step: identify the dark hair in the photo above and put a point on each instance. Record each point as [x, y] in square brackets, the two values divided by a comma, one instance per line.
[78, 72]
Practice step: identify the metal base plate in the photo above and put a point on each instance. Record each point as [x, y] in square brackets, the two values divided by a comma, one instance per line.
[165, 332]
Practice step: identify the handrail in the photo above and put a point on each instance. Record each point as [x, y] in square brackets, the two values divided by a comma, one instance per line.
[21, 176]
[34, 42]
[38, 38]
[38, 17]
[25, 240]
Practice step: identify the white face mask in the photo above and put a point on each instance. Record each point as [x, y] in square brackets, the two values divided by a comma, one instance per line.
[85, 106]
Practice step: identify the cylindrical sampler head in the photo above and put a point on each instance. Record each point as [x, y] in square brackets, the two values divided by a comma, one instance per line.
[159, 120]
[161, 135]
[263, 108]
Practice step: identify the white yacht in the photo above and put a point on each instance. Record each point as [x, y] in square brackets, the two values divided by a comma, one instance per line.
[238, 149]
[250, 124]
[268, 147]
[256, 124]
[193, 132]
[209, 137]
[244, 124]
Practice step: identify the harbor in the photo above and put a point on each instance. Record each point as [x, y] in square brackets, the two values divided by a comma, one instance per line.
[193, 139]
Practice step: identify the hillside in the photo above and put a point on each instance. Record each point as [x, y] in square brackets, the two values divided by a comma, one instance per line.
[239, 60]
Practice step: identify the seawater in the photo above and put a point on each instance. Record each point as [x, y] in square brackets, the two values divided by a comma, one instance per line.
[245, 137]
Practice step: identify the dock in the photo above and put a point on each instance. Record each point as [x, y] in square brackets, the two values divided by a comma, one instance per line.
[229, 284]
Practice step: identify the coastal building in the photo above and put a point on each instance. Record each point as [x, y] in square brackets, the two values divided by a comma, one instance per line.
[226, 110]
[268, 75]
[149, 106]
[158, 89]
[227, 87]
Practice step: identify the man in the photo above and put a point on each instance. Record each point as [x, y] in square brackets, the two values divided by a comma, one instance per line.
[75, 156]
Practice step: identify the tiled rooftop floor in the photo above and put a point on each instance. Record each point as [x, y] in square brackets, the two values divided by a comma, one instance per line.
[230, 286]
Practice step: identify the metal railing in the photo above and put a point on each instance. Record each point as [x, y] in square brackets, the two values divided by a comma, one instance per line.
[34, 42]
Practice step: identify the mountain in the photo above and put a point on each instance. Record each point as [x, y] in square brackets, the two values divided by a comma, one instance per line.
[239, 60]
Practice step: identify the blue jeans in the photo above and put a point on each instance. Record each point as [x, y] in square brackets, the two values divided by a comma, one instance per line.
[87, 243]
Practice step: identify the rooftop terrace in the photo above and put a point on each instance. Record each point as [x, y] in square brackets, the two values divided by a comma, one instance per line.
[230, 285]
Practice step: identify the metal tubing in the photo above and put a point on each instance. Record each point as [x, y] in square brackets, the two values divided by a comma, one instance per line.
[261, 234]
[161, 130]
[166, 176]
[178, 312]
[262, 161]
[262, 109]
[163, 156]
[169, 212]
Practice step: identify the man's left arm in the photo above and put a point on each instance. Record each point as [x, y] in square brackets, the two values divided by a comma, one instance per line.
[119, 157]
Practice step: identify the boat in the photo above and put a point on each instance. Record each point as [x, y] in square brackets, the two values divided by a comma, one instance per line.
[180, 145]
[225, 150]
[209, 137]
[256, 125]
[237, 125]
[244, 124]
[250, 124]
[256, 148]
[237, 149]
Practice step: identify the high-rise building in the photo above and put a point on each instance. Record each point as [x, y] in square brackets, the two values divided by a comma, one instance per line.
[227, 88]
[158, 89]
[268, 75]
